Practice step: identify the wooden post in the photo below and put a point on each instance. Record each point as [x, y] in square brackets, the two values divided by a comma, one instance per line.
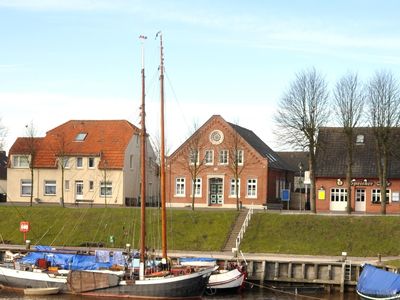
[262, 275]
[276, 270]
[342, 277]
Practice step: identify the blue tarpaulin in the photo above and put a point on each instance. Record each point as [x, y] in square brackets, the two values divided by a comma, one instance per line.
[376, 282]
[197, 259]
[69, 261]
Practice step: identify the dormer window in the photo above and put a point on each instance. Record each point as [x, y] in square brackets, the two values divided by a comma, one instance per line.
[80, 137]
[360, 139]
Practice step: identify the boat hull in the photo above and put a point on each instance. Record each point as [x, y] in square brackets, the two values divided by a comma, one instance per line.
[28, 279]
[41, 291]
[185, 286]
[226, 280]
[368, 297]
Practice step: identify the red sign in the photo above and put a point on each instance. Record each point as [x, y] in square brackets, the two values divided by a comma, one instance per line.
[24, 226]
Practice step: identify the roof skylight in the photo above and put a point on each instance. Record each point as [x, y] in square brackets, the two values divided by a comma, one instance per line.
[80, 137]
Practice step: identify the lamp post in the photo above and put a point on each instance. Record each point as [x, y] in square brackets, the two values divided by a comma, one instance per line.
[300, 165]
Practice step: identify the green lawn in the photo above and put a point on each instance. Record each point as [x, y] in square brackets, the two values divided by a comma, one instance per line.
[323, 235]
[206, 230]
[187, 230]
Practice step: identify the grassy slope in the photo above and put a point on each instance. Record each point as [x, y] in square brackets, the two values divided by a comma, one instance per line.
[323, 235]
[207, 230]
[198, 230]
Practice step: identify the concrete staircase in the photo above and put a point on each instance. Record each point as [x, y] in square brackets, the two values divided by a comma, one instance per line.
[231, 241]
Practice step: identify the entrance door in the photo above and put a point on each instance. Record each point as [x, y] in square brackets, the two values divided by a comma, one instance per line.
[216, 195]
[338, 199]
[360, 200]
[79, 190]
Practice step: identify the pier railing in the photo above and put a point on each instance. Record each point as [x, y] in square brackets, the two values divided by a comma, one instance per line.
[244, 227]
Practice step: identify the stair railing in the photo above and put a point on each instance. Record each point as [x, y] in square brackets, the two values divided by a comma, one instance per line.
[244, 227]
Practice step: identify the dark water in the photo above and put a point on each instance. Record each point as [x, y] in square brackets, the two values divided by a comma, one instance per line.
[255, 293]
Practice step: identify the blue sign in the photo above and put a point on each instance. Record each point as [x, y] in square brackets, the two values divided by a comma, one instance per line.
[285, 195]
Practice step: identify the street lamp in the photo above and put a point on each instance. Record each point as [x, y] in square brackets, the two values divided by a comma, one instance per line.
[300, 165]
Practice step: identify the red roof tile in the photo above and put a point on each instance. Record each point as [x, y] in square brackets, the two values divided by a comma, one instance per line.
[105, 138]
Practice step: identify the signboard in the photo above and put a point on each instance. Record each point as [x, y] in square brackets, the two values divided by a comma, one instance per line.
[321, 194]
[285, 195]
[24, 226]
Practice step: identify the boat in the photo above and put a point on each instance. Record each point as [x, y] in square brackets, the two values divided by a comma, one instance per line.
[375, 283]
[41, 291]
[80, 275]
[233, 277]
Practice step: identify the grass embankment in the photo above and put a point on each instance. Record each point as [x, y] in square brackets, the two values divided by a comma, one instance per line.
[187, 230]
[323, 235]
[206, 230]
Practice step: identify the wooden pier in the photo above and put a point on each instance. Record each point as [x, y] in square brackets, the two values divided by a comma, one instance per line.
[333, 272]
[336, 275]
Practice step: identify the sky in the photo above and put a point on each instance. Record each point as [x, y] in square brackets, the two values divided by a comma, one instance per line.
[81, 59]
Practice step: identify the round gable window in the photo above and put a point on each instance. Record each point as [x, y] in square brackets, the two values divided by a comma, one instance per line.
[216, 137]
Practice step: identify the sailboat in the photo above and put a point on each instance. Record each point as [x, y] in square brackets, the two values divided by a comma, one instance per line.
[168, 283]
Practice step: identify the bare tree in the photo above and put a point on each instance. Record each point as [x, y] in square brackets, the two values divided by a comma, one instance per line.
[302, 110]
[31, 146]
[236, 160]
[384, 114]
[349, 102]
[193, 161]
[3, 134]
[62, 160]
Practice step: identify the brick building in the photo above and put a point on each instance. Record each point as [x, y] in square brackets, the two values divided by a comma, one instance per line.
[331, 173]
[226, 160]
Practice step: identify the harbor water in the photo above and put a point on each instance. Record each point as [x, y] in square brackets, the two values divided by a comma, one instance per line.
[252, 294]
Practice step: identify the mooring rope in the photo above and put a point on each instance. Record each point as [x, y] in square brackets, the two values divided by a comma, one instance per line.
[283, 292]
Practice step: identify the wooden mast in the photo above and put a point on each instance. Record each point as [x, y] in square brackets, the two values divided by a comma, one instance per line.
[162, 157]
[142, 172]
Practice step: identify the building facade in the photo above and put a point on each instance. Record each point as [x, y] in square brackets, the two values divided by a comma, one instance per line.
[225, 165]
[94, 161]
[3, 176]
[331, 187]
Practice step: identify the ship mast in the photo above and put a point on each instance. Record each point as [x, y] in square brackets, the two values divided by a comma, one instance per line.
[142, 172]
[162, 157]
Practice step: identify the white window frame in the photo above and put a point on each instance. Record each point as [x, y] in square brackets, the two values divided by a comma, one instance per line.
[66, 185]
[25, 183]
[91, 185]
[65, 162]
[338, 195]
[79, 166]
[223, 157]
[232, 188]
[209, 157]
[180, 187]
[106, 188]
[192, 153]
[93, 160]
[240, 157]
[376, 196]
[251, 189]
[21, 161]
[49, 185]
[198, 185]
[361, 195]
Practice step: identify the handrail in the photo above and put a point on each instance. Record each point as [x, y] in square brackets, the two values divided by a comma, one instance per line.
[244, 227]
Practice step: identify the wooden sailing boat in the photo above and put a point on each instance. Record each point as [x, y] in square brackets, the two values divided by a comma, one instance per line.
[169, 284]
